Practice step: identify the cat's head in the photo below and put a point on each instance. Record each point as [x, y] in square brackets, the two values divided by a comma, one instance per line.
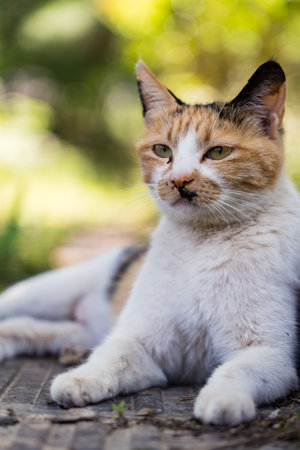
[212, 162]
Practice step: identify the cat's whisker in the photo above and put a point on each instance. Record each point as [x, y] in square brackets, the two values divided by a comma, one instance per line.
[140, 195]
[240, 203]
[240, 216]
[250, 205]
[141, 186]
[236, 214]
[139, 199]
[134, 192]
[232, 219]
[239, 211]
[236, 191]
[133, 185]
[241, 194]
[141, 207]
[216, 213]
[125, 195]
[220, 210]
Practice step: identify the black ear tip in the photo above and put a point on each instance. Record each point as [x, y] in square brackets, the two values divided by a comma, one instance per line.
[270, 70]
[275, 68]
[267, 79]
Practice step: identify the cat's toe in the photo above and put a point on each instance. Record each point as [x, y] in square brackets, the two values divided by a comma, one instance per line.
[74, 390]
[221, 408]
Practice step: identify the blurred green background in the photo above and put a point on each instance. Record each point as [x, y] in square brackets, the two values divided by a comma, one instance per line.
[70, 115]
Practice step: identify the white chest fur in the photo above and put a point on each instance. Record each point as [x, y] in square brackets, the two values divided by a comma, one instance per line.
[201, 297]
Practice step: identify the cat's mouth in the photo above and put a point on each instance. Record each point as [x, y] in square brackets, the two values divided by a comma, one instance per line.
[186, 193]
[186, 197]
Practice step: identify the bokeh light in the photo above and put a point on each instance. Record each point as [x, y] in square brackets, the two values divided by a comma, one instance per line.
[69, 110]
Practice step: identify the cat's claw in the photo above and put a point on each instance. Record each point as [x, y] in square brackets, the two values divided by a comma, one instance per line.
[221, 408]
[71, 389]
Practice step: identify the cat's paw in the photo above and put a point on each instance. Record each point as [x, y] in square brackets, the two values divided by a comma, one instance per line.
[73, 389]
[221, 408]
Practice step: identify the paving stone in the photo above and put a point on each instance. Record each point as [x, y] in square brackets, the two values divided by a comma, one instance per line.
[152, 419]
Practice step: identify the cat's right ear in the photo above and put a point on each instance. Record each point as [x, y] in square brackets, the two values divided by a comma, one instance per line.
[154, 96]
[264, 96]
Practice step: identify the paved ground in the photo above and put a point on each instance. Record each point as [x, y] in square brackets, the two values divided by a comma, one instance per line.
[152, 419]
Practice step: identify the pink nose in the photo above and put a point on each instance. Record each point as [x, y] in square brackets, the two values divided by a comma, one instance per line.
[182, 179]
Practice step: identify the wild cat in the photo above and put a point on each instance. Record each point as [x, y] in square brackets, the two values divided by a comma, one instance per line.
[213, 299]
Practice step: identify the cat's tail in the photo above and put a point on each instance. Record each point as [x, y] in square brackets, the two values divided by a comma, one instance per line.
[54, 295]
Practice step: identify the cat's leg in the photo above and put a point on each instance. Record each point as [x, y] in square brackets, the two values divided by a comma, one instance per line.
[52, 295]
[29, 336]
[253, 376]
[119, 365]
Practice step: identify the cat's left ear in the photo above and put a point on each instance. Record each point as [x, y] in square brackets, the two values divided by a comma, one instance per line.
[264, 96]
[153, 95]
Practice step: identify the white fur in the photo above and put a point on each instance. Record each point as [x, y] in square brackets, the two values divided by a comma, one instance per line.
[210, 305]
[207, 306]
[71, 302]
[188, 156]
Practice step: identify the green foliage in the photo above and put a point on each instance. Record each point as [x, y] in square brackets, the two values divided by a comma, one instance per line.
[24, 251]
[119, 408]
[69, 110]
[82, 65]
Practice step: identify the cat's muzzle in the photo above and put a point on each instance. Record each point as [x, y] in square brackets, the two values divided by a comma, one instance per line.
[185, 193]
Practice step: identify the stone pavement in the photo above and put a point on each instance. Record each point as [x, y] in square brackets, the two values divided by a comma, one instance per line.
[149, 420]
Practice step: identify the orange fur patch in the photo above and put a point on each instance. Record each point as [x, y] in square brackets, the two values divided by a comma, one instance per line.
[254, 164]
[125, 284]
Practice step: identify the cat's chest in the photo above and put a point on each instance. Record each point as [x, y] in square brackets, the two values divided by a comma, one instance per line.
[201, 297]
[182, 307]
[183, 279]
[191, 266]
[200, 288]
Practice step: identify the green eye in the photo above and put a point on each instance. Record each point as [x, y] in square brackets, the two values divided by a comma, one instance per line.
[163, 151]
[219, 152]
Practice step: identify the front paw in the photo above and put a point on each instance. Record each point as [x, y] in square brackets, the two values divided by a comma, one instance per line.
[72, 389]
[221, 408]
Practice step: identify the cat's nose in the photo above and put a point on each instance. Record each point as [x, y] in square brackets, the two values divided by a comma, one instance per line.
[182, 179]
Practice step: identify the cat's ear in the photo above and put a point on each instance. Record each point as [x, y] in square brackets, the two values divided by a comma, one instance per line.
[264, 95]
[153, 95]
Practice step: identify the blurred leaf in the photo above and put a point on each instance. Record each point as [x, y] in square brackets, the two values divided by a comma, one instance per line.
[69, 110]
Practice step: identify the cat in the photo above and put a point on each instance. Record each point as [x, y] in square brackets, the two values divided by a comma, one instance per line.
[212, 300]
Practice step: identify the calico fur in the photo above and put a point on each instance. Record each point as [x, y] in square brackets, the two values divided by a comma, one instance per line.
[213, 301]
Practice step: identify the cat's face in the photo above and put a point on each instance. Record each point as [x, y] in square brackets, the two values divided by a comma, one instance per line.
[212, 162]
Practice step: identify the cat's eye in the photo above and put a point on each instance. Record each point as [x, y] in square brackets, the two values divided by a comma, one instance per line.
[219, 152]
[163, 151]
